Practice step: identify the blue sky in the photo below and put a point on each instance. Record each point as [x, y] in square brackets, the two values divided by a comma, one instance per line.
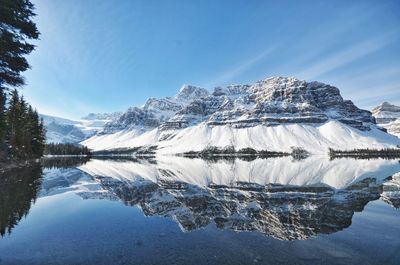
[103, 56]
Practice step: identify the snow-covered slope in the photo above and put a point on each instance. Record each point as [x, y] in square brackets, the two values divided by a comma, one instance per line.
[388, 117]
[60, 130]
[314, 138]
[315, 170]
[273, 114]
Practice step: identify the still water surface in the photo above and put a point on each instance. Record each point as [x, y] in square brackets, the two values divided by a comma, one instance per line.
[174, 210]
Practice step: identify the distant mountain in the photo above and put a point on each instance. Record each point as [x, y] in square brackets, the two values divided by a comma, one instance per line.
[388, 117]
[102, 116]
[60, 130]
[273, 114]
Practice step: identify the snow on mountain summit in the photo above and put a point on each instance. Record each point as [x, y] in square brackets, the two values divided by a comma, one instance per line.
[188, 92]
[271, 114]
[275, 100]
[386, 112]
[154, 111]
[388, 117]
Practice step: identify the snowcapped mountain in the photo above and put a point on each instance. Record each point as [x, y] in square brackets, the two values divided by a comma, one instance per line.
[274, 114]
[60, 130]
[155, 111]
[388, 117]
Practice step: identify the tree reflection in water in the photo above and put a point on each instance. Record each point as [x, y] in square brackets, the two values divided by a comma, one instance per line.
[18, 190]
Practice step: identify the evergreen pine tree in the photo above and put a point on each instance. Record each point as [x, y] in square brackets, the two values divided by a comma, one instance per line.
[16, 28]
[25, 130]
[24, 126]
[2, 116]
[13, 116]
[29, 124]
[39, 136]
[18, 122]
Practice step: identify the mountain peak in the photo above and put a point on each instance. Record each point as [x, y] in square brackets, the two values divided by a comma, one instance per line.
[386, 106]
[282, 79]
[189, 92]
[388, 116]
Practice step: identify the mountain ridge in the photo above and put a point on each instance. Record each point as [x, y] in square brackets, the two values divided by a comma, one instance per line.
[274, 113]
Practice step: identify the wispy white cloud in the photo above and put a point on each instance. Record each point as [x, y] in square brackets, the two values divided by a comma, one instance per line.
[379, 72]
[326, 31]
[378, 92]
[348, 55]
[241, 67]
[367, 96]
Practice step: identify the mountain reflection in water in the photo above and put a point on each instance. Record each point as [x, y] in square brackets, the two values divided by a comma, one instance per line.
[285, 199]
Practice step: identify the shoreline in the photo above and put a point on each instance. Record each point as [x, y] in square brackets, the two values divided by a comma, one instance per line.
[362, 154]
[389, 153]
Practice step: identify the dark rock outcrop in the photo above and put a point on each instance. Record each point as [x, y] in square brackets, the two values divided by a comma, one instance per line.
[269, 102]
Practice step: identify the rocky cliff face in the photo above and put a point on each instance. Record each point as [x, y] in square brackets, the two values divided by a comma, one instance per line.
[274, 101]
[155, 111]
[269, 102]
[388, 117]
